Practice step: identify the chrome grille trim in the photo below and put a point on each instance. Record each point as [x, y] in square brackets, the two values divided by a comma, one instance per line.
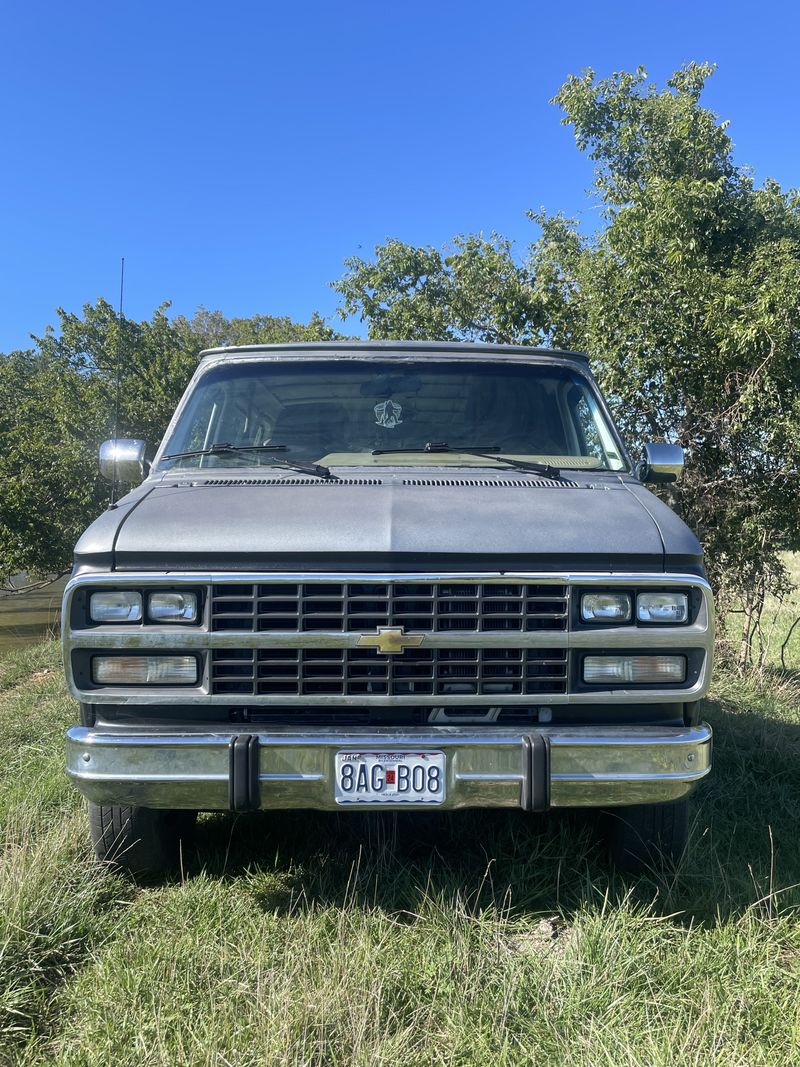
[155, 637]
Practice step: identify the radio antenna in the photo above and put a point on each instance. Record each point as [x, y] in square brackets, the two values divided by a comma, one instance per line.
[120, 320]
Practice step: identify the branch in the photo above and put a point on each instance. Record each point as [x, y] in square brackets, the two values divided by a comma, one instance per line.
[749, 380]
[785, 644]
[10, 590]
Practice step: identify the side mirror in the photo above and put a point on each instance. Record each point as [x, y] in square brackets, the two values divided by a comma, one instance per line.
[661, 463]
[122, 460]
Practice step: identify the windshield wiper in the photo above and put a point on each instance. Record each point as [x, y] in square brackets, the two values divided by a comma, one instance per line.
[318, 469]
[484, 451]
[223, 448]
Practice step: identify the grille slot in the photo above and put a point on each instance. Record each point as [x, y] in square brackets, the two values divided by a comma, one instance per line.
[427, 607]
[354, 672]
[308, 480]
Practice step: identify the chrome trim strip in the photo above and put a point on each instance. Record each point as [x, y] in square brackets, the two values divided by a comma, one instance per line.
[489, 777]
[486, 768]
[203, 640]
[291, 777]
[138, 776]
[200, 639]
[195, 698]
[694, 636]
[621, 777]
[573, 738]
[269, 577]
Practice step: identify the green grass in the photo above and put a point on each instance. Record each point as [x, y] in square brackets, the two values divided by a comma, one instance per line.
[481, 938]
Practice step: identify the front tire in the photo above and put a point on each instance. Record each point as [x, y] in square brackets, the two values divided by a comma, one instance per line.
[649, 835]
[142, 841]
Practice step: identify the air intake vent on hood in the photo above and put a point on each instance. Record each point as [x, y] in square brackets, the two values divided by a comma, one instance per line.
[488, 483]
[492, 483]
[291, 481]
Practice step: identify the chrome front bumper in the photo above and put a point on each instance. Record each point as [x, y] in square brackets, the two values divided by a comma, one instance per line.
[493, 768]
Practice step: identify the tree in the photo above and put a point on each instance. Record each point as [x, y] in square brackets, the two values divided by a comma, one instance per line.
[689, 300]
[476, 291]
[57, 403]
[155, 358]
[687, 297]
[49, 414]
[211, 329]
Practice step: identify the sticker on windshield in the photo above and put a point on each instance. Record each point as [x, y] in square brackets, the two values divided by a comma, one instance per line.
[388, 414]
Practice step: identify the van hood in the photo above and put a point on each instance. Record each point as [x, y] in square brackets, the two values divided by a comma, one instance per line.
[446, 519]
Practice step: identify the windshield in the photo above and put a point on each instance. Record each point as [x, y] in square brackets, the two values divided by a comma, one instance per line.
[342, 412]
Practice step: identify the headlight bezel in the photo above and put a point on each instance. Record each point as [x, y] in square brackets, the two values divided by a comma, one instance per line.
[84, 613]
[634, 591]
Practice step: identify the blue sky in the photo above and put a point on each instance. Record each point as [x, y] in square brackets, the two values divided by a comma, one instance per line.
[236, 153]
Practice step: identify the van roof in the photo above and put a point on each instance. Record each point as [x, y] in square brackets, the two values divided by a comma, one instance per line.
[396, 349]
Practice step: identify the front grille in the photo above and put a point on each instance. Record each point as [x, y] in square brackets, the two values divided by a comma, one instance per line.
[355, 672]
[427, 607]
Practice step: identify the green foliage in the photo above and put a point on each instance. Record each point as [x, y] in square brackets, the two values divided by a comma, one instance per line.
[155, 364]
[49, 418]
[687, 297]
[210, 329]
[57, 404]
[689, 302]
[477, 292]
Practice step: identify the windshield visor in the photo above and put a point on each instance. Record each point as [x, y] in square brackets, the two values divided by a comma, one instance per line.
[338, 412]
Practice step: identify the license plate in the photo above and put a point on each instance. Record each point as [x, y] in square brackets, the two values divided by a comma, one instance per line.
[389, 777]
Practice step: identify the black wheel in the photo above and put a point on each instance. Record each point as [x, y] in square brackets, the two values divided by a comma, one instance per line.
[649, 835]
[141, 840]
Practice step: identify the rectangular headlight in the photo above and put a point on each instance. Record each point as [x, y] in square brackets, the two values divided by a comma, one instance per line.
[172, 607]
[607, 670]
[144, 670]
[605, 607]
[662, 607]
[119, 605]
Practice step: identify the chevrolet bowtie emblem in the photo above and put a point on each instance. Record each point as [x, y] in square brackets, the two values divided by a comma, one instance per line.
[390, 640]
